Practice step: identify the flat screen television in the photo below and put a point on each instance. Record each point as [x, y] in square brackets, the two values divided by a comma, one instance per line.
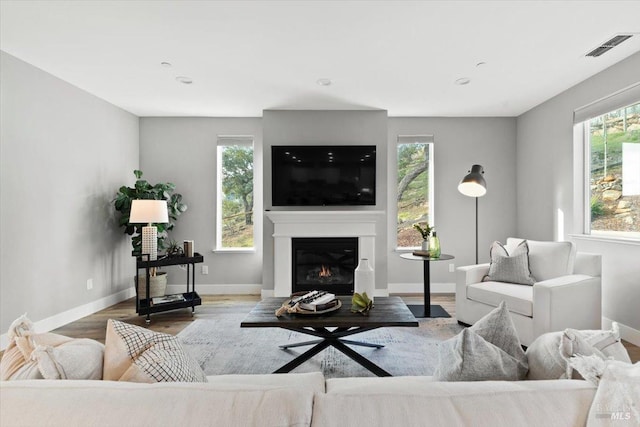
[323, 175]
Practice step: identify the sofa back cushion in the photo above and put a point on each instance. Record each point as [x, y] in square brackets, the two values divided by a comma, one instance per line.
[116, 403]
[547, 260]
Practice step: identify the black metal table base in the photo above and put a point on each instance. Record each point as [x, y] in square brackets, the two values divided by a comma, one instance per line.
[332, 338]
[436, 311]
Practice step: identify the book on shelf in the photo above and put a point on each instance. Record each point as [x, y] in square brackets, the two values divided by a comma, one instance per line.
[167, 299]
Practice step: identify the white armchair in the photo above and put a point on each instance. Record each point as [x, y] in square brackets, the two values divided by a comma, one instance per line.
[567, 292]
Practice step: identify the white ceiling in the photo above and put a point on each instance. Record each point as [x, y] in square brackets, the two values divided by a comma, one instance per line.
[245, 56]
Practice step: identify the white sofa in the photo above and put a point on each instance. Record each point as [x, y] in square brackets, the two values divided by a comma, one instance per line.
[295, 400]
[567, 292]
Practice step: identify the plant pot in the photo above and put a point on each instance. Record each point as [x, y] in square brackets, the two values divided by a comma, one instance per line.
[157, 285]
[425, 245]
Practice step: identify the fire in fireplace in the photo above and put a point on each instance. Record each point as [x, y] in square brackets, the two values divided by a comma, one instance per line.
[326, 263]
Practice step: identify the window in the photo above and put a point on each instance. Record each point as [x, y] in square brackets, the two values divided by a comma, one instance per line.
[234, 222]
[414, 187]
[613, 169]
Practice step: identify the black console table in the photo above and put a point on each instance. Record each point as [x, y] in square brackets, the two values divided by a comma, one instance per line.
[191, 297]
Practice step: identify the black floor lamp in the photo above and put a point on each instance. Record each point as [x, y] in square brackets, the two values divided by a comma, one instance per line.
[474, 185]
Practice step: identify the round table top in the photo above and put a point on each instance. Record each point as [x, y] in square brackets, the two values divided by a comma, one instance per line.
[412, 257]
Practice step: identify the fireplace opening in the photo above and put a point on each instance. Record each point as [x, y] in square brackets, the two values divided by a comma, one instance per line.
[324, 263]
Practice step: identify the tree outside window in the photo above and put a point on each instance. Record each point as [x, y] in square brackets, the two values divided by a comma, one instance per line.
[235, 193]
[414, 190]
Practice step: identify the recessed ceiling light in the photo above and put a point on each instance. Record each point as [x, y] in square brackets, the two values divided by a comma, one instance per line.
[324, 82]
[463, 81]
[481, 63]
[165, 64]
[184, 80]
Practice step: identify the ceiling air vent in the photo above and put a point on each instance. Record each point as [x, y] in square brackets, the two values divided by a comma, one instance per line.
[608, 45]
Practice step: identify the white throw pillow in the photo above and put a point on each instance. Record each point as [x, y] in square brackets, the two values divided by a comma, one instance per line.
[548, 354]
[509, 266]
[137, 354]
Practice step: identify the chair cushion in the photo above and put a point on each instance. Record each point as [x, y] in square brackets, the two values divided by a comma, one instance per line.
[519, 298]
[547, 260]
[510, 266]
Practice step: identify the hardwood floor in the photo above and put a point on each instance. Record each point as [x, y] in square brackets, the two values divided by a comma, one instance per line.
[172, 322]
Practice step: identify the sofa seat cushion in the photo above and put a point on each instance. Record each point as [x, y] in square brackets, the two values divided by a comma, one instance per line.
[547, 260]
[485, 403]
[116, 403]
[519, 298]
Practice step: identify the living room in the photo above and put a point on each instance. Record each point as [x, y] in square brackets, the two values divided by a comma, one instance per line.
[63, 255]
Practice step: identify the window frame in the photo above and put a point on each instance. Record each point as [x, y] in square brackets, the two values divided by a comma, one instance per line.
[427, 139]
[226, 141]
[583, 130]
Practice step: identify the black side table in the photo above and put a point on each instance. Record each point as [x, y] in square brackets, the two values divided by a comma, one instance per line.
[427, 310]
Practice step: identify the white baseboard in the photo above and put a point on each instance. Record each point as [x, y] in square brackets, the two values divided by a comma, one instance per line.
[266, 293]
[71, 315]
[418, 288]
[627, 333]
[250, 289]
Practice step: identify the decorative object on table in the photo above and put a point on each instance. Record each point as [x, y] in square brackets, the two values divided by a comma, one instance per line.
[474, 185]
[361, 303]
[364, 278]
[150, 212]
[188, 248]
[314, 302]
[434, 246]
[157, 284]
[143, 190]
[425, 231]
[174, 249]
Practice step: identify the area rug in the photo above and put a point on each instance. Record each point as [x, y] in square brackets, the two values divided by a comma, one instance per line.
[221, 346]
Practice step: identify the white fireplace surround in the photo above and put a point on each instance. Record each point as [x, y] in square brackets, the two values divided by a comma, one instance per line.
[290, 224]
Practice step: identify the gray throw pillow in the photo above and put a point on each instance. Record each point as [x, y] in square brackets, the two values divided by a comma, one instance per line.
[497, 328]
[510, 268]
[469, 357]
[488, 351]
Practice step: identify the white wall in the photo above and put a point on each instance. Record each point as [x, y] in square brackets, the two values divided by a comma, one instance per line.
[547, 205]
[64, 153]
[183, 151]
[349, 127]
[459, 143]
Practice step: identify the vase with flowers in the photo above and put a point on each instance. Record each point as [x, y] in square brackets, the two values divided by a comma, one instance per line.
[425, 231]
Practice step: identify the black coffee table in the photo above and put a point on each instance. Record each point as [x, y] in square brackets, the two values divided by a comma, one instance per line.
[388, 312]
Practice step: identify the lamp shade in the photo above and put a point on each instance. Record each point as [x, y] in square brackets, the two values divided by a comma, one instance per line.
[473, 184]
[148, 211]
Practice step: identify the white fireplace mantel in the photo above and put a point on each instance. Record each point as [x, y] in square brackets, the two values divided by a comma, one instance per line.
[290, 224]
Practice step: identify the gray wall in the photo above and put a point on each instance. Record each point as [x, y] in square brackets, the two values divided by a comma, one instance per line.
[458, 144]
[547, 205]
[183, 151]
[64, 153]
[288, 127]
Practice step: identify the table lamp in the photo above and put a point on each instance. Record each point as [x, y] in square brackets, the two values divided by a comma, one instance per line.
[474, 185]
[149, 212]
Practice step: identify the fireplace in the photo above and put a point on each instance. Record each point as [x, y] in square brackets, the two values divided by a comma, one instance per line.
[324, 263]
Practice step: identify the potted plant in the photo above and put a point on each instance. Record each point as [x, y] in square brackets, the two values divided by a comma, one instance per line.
[425, 231]
[144, 190]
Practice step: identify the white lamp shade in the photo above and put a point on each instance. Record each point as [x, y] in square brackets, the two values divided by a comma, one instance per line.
[473, 184]
[148, 211]
[472, 189]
